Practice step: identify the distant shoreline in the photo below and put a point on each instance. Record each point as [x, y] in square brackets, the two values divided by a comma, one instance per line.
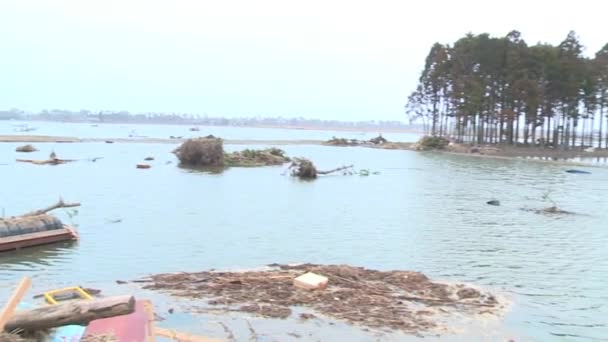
[366, 129]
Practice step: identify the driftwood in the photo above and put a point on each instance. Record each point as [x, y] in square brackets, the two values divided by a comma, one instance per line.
[78, 313]
[53, 161]
[59, 204]
[335, 170]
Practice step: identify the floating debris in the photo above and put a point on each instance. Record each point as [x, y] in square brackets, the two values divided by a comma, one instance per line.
[143, 166]
[575, 171]
[400, 300]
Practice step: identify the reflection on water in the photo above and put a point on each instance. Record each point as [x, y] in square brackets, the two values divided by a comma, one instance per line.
[424, 212]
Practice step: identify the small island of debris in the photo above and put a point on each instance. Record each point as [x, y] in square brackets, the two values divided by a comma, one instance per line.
[399, 300]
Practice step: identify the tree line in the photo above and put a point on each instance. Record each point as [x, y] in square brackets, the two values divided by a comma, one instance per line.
[487, 90]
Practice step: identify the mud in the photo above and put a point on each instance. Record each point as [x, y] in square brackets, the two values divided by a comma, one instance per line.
[400, 300]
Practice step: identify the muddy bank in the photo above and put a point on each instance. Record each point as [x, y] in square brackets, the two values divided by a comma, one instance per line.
[501, 152]
[398, 300]
[57, 139]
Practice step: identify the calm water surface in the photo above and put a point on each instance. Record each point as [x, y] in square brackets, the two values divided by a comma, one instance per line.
[424, 212]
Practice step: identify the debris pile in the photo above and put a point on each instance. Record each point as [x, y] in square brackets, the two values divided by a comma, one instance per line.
[250, 157]
[209, 152]
[26, 148]
[428, 143]
[379, 140]
[401, 300]
[201, 152]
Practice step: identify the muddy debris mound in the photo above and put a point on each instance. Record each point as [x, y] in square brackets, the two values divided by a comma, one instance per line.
[26, 148]
[342, 142]
[201, 152]
[379, 140]
[249, 157]
[429, 143]
[399, 300]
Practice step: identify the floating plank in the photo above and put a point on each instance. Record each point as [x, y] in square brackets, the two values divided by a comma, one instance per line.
[11, 305]
[10, 243]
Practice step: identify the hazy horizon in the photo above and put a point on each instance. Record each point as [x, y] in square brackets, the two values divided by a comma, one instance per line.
[339, 60]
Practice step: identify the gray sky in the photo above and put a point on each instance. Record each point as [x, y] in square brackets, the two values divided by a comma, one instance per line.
[340, 59]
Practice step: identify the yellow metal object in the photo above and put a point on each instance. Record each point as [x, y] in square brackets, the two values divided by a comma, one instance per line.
[50, 296]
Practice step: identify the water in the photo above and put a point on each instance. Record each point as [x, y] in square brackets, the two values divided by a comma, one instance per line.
[424, 212]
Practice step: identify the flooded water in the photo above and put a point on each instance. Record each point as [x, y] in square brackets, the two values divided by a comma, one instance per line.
[89, 130]
[424, 212]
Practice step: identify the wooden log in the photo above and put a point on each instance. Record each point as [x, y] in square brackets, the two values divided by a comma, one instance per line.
[79, 313]
[12, 303]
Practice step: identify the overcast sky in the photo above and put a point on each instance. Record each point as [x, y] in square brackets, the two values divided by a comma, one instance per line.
[347, 59]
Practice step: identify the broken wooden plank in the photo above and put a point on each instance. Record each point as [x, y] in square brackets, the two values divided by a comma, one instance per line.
[11, 305]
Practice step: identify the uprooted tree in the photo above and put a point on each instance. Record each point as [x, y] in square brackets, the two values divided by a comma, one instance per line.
[305, 169]
[201, 152]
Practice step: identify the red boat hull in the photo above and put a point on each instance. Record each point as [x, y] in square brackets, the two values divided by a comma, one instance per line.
[135, 327]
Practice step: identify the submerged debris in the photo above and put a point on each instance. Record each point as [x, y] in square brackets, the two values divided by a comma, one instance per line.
[400, 300]
[554, 210]
[575, 171]
[26, 148]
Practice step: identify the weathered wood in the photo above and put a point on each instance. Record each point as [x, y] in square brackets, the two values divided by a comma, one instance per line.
[11, 305]
[79, 312]
[35, 239]
[55, 161]
[59, 204]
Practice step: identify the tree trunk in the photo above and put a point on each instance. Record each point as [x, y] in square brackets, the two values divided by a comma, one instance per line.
[599, 143]
[78, 313]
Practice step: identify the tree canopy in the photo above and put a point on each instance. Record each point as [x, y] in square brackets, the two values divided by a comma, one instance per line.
[489, 90]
